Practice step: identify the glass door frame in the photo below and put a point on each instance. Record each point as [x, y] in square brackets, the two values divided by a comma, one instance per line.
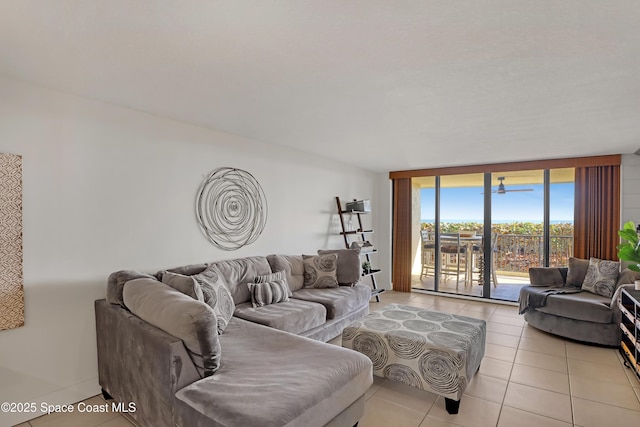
[487, 230]
[486, 293]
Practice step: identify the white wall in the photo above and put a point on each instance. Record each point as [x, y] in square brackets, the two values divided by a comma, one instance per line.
[107, 188]
[630, 188]
[382, 225]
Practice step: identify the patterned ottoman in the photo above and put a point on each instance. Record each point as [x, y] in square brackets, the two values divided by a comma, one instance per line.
[428, 350]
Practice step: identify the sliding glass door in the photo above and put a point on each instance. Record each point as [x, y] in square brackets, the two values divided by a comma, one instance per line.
[529, 217]
[460, 227]
[517, 229]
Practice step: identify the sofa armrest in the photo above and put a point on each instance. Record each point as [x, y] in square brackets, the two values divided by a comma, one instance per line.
[139, 363]
[548, 276]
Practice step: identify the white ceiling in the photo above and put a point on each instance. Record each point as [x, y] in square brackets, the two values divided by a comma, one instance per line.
[382, 84]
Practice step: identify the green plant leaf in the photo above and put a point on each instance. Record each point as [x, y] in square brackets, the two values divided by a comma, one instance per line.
[627, 253]
[634, 267]
[628, 235]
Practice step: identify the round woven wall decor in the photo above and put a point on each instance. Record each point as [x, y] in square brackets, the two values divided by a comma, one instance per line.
[231, 208]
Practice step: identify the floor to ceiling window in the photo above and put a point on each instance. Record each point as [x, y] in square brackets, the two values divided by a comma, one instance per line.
[530, 213]
[590, 232]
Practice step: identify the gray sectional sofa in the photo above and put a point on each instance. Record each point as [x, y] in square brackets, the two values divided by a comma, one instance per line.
[268, 367]
[558, 303]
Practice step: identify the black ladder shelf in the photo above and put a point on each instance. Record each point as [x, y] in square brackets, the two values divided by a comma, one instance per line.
[362, 234]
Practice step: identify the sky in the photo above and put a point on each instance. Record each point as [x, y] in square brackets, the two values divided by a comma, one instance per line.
[466, 204]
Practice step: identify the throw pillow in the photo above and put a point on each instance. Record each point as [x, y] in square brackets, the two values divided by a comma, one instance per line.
[116, 283]
[320, 271]
[601, 277]
[348, 269]
[179, 315]
[216, 295]
[292, 265]
[577, 271]
[266, 293]
[272, 277]
[185, 284]
[626, 277]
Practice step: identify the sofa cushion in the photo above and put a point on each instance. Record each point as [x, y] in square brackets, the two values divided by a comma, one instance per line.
[216, 295]
[266, 293]
[271, 378]
[292, 265]
[338, 301]
[293, 316]
[348, 270]
[579, 306]
[238, 272]
[271, 277]
[627, 277]
[577, 270]
[547, 276]
[320, 271]
[116, 282]
[185, 284]
[601, 277]
[177, 314]
[185, 270]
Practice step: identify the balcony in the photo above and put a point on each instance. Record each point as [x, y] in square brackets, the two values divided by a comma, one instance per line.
[513, 255]
[516, 253]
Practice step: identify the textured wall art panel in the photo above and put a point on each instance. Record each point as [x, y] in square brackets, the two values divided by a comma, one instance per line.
[231, 208]
[11, 278]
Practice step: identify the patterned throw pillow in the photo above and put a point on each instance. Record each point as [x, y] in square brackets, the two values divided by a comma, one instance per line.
[320, 271]
[277, 276]
[216, 295]
[266, 293]
[601, 277]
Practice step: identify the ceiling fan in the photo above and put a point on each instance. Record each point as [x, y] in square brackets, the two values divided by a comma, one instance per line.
[502, 190]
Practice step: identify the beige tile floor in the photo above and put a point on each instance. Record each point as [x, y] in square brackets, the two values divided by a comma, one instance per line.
[527, 378]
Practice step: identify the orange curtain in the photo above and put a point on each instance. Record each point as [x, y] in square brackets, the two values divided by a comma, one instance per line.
[597, 212]
[402, 206]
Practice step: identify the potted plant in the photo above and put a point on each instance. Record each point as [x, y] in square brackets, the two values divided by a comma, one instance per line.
[366, 267]
[630, 249]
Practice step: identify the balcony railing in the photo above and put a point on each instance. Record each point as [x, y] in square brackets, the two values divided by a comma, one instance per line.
[518, 252]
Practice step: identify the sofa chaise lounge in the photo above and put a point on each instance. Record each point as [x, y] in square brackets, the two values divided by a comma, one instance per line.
[268, 367]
